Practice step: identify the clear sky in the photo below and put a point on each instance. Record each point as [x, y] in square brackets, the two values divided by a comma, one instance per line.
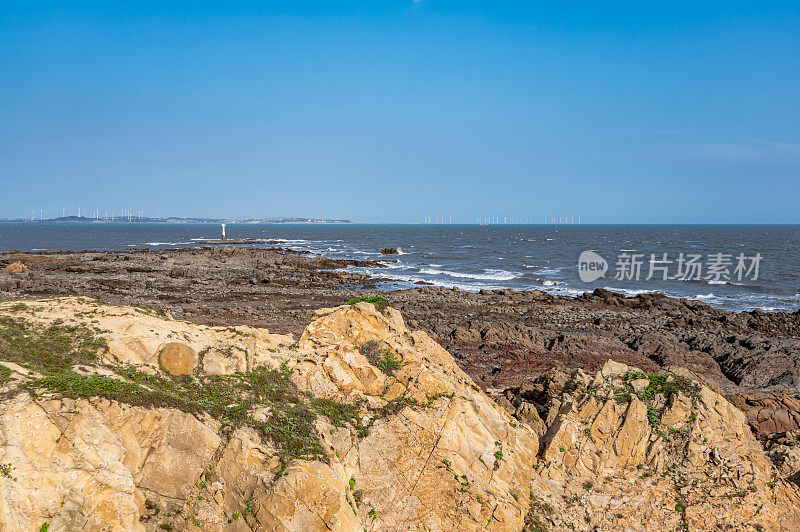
[390, 111]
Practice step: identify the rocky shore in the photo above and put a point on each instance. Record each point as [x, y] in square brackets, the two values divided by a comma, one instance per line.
[524, 349]
[502, 339]
[124, 418]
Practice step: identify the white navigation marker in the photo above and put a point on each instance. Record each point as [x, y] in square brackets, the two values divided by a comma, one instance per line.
[223, 231]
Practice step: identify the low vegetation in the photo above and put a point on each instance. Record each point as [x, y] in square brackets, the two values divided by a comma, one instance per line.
[48, 349]
[380, 302]
[381, 358]
[656, 396]
[538, 511]
[663, 384]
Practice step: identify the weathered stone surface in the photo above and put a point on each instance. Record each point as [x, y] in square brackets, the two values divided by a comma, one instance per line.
[784, 451]
[135, 336]
[620, 450]
[667, 461]
[177, 359]
[15, 268]
[90, 464]
[446, 458]
[768, 412]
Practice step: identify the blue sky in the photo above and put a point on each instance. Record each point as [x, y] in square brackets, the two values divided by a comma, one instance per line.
[392, 111]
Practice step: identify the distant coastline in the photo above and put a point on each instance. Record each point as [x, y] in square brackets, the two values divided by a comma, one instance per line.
[177, 220]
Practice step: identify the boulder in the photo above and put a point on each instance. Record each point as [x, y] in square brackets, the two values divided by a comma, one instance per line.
[769, 412]
[15, 268]
[177, 359]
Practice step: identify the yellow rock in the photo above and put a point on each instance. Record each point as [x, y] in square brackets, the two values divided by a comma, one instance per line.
[444, 457]
[177, 359]
[15, 268]
[104, 465]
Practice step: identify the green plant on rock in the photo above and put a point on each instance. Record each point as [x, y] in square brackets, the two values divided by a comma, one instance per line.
[381, 358]
[380, 302]
[660, 388]
[663, 384]
[5, 471]
[533, 521]
[48, 348]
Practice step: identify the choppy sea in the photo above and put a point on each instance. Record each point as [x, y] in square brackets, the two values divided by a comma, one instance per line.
[523, 257]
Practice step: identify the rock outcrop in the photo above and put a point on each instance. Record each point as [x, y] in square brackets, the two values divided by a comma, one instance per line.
[15, 268]
[436, 454]
[784, 451]
[636, 451]
[359, 424]
[769, 412]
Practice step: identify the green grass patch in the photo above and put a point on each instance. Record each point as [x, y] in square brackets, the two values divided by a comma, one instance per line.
[48, 348]
[6, 470]
[533, 521]
[663, 384]
[660, 386]
[380, 302]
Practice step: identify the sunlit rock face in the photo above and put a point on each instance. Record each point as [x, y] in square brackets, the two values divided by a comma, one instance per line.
[359, 424]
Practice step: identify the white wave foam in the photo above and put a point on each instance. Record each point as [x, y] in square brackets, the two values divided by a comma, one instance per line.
[629, 291]
[564, 291]
[707, 281]
[553, 283]
[490, 275]
[705, 296]
[549, 271]
[400, 251]
[412, 279]
[291, 241]
[391, 264]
